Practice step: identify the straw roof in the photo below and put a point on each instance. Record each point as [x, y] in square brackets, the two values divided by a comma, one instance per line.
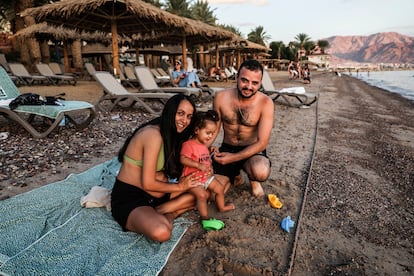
[243, 45]
[142, 21]
[43, 31]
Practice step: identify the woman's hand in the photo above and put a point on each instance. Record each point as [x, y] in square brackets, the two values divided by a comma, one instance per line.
[190, 181]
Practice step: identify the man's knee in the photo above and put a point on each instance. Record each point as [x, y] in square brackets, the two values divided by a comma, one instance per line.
[259, 170]
[259, 175]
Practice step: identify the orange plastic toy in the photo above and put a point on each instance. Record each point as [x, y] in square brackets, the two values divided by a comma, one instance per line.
[274, 201]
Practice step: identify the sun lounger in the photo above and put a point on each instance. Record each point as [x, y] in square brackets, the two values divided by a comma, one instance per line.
[115, 93]
[45, 70]
[127, 77]
[149, 84]
[300, 97]
[160, 79]
[25, 114]
[90, 69]
[59, 69]
[20, 72]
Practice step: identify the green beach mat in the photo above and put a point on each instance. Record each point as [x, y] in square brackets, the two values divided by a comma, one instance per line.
[47, 232]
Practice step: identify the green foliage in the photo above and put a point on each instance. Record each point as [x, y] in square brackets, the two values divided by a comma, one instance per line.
[258, 36]
[156, 3]
[178, 7]
[231, 28]
[323, 44]
[200, 10]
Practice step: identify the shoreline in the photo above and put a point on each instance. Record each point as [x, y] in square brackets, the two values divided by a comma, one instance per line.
[379, 83]
[360, 183]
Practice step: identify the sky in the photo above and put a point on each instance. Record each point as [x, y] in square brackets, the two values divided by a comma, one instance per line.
[282, 20]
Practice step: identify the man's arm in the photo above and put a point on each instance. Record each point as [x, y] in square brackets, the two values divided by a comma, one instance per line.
[217, 108]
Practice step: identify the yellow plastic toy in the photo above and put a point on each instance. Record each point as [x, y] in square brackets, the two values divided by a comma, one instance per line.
[274, 201]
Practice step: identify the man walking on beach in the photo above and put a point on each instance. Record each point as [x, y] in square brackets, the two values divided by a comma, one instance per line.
[247, 118]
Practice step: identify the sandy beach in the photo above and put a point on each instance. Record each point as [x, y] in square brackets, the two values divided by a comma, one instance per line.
[343, 169]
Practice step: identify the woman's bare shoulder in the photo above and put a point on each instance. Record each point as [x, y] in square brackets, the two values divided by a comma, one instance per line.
[149, 133]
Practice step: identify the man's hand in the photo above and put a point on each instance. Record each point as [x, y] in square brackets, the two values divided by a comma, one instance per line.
[224, 158]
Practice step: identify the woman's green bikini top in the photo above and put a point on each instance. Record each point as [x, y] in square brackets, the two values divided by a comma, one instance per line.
[139, 163]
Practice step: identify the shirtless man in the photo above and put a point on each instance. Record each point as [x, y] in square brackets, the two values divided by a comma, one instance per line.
[247, 118]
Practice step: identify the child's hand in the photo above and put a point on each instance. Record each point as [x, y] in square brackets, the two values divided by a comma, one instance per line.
[213, 150]
[203, 167]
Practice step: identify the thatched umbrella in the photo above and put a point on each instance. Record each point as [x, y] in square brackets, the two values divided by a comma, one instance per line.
[123, 17]
[44, 32]
[241, 45]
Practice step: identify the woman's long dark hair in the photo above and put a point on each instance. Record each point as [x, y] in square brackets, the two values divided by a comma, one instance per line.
[171, 139]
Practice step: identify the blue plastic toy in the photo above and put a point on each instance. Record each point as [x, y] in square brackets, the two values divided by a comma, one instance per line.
[287, 223]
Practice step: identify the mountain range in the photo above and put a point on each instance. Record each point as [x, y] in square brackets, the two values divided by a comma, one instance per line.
[389, 47]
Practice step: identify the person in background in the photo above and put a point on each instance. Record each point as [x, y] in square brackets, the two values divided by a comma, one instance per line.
[246, 115]
[217, 73]
[293, 73]
[306, 74]
[182, 78]
[195, 156]
[190, 66]
[143, 200]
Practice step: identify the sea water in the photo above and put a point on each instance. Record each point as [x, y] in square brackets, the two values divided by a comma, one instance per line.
[401, 82]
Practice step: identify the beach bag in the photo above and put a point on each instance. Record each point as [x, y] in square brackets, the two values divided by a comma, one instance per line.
[26, 99]
[35, 99]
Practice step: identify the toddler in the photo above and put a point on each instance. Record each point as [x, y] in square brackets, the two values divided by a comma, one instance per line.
[195, 157]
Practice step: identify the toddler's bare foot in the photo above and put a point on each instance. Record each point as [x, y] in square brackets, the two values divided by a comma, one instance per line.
[227, 207]
[238, 180]
[257, 189]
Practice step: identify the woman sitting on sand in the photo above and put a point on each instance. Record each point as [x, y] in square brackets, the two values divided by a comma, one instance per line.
[142, 199]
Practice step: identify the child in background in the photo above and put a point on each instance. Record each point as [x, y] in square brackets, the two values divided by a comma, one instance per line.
[195, 156]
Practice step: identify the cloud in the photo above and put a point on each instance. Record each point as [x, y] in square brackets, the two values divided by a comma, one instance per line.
[234, 2]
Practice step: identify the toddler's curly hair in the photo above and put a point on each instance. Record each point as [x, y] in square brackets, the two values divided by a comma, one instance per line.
[201, 117]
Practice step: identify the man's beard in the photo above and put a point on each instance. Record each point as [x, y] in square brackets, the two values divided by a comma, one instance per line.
[241, 95]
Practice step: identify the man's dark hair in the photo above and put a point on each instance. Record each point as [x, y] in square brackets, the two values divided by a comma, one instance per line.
[252, 65]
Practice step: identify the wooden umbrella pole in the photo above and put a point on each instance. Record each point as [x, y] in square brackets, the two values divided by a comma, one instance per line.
[217, 56]
[66, 56]
[184, 52]
[115, 54]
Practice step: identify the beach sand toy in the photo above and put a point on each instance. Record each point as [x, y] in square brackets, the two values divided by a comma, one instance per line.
[274, 201]
[287, 223]
[212, 224]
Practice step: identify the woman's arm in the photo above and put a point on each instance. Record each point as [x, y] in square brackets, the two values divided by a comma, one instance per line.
[152, 142]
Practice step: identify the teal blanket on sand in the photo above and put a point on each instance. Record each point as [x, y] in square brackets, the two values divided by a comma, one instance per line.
[47, 232]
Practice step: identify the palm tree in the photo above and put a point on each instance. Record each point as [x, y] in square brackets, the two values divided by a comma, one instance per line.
[258, 36]
[178, 7]
[323, 44]
[30, 48]
[200, 10]
[276, 47]
[303, 44]
[301, 40]
[231, 28]
[156, 3]
[6, 14]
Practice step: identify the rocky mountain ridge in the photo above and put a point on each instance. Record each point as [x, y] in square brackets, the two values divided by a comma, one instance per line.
[389, 47]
